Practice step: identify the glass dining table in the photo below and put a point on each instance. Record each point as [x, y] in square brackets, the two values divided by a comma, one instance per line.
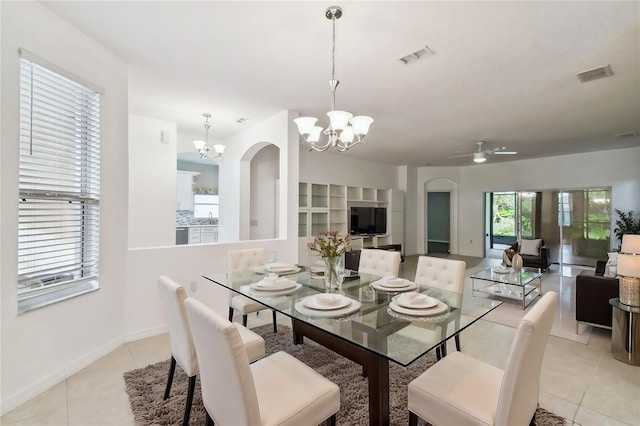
[371, 330]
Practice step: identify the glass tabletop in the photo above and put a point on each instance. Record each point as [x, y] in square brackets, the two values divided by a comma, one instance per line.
[508, 275]
[374, 325]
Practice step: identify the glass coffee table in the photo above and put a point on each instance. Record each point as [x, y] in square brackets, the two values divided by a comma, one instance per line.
[524, 285]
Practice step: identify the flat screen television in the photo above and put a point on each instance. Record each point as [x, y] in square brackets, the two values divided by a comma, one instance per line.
[368, 220]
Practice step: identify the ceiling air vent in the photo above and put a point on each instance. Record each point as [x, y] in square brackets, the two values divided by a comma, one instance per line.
[595, 73]
[418, 54]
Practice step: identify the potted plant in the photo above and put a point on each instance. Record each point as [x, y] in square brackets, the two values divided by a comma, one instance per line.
[627, 223]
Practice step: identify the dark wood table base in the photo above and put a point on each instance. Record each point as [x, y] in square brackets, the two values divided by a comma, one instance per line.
[377, 367]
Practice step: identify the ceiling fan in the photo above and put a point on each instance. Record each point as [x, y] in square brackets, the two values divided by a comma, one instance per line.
[479, 156]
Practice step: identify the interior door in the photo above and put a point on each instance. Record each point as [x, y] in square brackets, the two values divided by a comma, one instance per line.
[438, 222]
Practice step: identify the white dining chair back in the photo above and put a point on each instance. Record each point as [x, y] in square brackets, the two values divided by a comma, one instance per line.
[379, 262]
[446, 274]
[462, 390]
[173, 296]
[518, 397]
[228, 390]
[276, 390]
[245, 259]
[183, 350]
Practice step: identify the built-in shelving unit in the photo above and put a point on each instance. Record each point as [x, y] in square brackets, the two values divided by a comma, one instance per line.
[325, 207]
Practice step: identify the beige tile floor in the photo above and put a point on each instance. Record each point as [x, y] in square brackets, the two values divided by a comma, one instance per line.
[580, 381]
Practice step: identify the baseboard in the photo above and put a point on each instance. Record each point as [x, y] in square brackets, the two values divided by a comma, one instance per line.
[149, 332]
[9, 403]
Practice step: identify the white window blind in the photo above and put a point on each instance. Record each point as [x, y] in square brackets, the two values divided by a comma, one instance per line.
[59, 210]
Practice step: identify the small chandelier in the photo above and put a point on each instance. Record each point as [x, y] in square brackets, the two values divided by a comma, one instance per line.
[343, 126]
[203, 146]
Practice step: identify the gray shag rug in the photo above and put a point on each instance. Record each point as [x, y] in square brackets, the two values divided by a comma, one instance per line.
[145, 386]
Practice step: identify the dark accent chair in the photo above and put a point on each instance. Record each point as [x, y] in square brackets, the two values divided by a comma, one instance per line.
[593, 291]
[542, 260]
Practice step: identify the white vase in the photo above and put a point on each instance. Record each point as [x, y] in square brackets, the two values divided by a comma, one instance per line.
[505, 259]
[516, 262]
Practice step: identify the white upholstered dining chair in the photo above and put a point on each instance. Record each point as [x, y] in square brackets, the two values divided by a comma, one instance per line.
[276, 390]
[461, 390]
[244, 259]
[445, 274]
[379, 262]
[183, 351]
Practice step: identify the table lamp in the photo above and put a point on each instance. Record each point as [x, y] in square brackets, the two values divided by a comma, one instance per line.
[629, 270]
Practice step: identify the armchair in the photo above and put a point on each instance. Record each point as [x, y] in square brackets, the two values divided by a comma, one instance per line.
[593, 291]
[542, 260]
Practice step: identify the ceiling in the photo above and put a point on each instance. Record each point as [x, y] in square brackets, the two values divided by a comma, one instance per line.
[503, 72]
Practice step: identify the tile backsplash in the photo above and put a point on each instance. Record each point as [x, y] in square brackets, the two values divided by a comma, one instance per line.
[185, 218]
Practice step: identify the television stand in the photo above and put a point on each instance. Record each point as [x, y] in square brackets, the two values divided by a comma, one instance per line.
[352, 258]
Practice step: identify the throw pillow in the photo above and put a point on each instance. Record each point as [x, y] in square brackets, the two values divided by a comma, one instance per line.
[530, 247]
[611, 268]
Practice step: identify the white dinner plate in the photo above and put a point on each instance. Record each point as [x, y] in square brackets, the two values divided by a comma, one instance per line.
[275, 285]
[314, 302]
[440, 308]
[416, 301]
[377, 285]
[352, 307]
[271, 293]
[281, 268]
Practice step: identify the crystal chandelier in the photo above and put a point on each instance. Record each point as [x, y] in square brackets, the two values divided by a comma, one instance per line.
[343, 126]
[203, 146]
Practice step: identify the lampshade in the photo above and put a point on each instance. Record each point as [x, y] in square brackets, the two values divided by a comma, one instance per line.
[630, 244]
[199, 144]
[347, 134]
[361, 124]
[219, 149]
[629, 265]
[339, 119]
[305, 124]
[479, 157]
[315, 134]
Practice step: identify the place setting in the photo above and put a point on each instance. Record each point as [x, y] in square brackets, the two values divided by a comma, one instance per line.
[278, 268]
[274, 285]
[417, 305]
[394, 284]
[327, 305]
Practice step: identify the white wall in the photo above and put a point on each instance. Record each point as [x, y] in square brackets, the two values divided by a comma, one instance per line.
[42, 347]
[619, 169]
[341, 169]
[143, 311]
[235, 175]
[263, 199]
[152, 224]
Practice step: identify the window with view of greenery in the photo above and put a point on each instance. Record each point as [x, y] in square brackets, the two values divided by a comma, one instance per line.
[504, 214]
[597, 216]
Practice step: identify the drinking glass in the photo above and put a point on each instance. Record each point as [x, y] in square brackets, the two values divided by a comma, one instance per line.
[272, 256]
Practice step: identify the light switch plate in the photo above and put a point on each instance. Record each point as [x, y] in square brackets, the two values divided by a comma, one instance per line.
[164, 136]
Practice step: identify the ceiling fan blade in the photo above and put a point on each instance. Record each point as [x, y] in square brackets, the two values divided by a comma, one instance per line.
[463, 155]
[505, 152]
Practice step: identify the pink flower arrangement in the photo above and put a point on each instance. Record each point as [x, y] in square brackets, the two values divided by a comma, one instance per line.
[330, 244]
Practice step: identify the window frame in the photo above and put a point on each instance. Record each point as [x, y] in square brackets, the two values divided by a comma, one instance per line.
[59, 185]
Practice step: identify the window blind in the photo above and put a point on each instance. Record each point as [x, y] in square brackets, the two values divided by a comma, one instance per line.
[59, 185]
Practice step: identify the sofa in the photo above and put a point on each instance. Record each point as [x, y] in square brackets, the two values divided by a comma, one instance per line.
[542, 260]
[593, 291]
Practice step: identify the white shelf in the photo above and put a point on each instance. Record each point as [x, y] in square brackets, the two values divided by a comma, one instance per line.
[325, 207]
